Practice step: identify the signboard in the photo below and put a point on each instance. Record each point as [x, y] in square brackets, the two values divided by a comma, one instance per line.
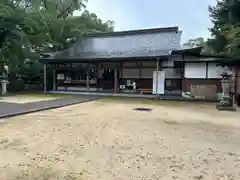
[158, 82]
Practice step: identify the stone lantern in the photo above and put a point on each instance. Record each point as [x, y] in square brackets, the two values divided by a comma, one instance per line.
[4, 80]
[226, 101]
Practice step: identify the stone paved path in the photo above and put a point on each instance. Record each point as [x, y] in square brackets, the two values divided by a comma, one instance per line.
[14, 109]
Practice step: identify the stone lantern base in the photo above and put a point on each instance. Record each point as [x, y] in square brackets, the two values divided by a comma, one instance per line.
[226, 104]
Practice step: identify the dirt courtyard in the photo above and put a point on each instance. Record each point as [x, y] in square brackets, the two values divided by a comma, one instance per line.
[108, 140]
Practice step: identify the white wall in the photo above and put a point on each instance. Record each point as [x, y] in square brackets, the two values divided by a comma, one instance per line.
[214, 71]
[195, 70]
[198, 70]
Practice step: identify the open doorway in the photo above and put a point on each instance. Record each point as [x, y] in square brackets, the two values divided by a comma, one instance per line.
[107, 79]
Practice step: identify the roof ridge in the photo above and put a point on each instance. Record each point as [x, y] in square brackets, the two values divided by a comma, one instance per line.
[133, 32]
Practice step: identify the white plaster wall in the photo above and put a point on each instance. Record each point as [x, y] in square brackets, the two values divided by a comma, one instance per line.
[195, 70]
[214, 71]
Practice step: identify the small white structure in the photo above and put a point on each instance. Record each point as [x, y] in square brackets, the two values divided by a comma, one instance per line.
[158, 82]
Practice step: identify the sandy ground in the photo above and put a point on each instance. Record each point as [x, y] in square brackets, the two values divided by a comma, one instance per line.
[107, 140]
[22, 99]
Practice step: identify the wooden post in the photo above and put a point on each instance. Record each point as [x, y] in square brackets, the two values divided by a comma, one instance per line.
[115, 79]
[98, 76]
[140, 69]
[87, 80]
[157, 78]
[231, 3]
[45, 77]
[233, 88]
[54, 77]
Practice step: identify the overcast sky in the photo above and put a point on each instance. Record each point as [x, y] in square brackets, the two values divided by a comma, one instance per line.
[190, 15]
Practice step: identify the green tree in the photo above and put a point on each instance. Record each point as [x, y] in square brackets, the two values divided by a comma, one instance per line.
[29, 27]
[225, 17]
[198, 42]
[194, 42]
[233, 37]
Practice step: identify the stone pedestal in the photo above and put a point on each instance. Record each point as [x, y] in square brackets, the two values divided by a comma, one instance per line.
[226, 101]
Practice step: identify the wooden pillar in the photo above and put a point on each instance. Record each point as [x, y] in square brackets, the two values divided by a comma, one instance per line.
[140, 70]
[121, 69]
[54, 78]
[87, 80]
[115, 79]
[45, 77]
[207, 67]
[157, 77]
[183, 75]
[98, 75]
[234, 86]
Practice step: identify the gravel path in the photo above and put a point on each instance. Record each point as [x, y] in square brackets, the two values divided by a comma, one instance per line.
[102, 140]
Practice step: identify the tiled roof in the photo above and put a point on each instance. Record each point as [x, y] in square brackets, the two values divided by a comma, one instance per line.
[138, 43]
[189, 51]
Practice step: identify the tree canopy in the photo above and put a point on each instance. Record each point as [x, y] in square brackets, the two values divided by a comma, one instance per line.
[198, 42]
[225, 33]
[29, 27]
[226, 28]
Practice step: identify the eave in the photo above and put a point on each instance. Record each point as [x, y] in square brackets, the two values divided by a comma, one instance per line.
[48, 60]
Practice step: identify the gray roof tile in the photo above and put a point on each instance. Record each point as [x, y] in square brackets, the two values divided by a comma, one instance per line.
[142, 44]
